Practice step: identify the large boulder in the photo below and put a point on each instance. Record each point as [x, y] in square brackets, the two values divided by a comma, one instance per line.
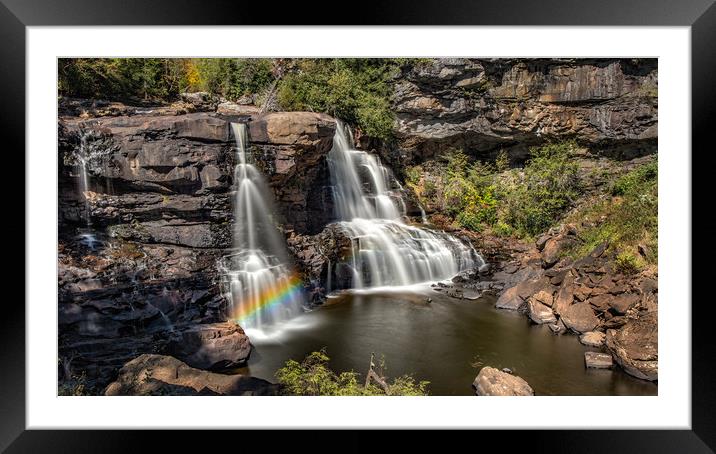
[493, 382]
[151, 374]
[539, 313]
[580, 318]
[212, 346]
[635, 347]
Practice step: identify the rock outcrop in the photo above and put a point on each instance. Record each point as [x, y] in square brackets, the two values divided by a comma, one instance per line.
[483, 105]
[151, 375]
[141, 243]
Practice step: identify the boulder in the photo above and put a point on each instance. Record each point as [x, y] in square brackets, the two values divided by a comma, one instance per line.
[635, 347]
[539, 313]
[595, 360]
[564, 299]
[151, 374]
[510, 299]
[580, 318]
[493, 382]
[620, 304]
[212, 346]
[592, 338]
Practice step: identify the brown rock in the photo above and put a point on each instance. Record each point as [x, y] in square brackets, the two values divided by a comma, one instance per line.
[635, 347]
[564, 299]
[510, 299]
[539, 313]
[545, 297]
[492, 382]
[580, 318]
[217, 345]
[620, 304]
[150, 374]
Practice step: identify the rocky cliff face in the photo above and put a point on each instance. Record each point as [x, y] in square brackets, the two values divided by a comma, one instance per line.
[139, 248]
[484, 105]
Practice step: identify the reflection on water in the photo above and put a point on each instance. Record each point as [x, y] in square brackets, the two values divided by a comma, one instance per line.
[440, 342]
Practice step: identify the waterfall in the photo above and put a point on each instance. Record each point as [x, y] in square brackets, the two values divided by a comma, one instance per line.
[369, 205]
[262, 289]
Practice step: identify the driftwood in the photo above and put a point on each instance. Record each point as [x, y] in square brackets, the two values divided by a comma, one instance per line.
[373, 375]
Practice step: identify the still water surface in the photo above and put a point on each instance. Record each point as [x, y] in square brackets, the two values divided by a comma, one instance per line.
[444, 342]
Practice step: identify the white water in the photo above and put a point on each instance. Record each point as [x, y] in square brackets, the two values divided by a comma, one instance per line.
[370, 206]
[262, 290]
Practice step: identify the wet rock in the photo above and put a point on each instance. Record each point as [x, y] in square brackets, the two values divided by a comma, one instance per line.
[635, 346]
[580, 318]
[492, 382]
[592, 339]
[212, 346]
[151, 374]
[558, 327]
[594, 360]
[539, 313]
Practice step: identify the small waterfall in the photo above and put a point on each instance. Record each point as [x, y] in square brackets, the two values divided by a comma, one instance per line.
[369, 205]
[262, 288]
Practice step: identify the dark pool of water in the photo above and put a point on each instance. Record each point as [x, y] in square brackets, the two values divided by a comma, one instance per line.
[444, 342]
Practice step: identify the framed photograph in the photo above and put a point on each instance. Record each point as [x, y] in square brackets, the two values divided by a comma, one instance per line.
[463, 218]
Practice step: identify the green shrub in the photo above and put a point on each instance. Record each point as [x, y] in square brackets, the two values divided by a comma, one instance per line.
[634, 180]
[627, 263]
[312, 377]
[545, 191]
[626, 220]
[356, 90]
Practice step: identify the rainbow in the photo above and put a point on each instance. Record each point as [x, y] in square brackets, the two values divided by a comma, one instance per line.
[282, 292]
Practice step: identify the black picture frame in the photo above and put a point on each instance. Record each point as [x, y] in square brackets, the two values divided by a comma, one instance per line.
[700, 15]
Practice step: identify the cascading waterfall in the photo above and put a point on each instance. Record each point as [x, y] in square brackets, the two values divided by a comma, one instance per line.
[262, 289]
[370, 207]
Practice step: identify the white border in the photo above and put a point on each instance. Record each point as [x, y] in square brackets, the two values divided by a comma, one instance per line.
[670, 409]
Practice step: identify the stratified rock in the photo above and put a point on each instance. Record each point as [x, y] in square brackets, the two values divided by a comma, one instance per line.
[493, 382]
[592, 339]
[539, 313]
[483, 105]
[635, 346]
[212, 346]
[594, 360]
[580, 318]
[158, 374]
